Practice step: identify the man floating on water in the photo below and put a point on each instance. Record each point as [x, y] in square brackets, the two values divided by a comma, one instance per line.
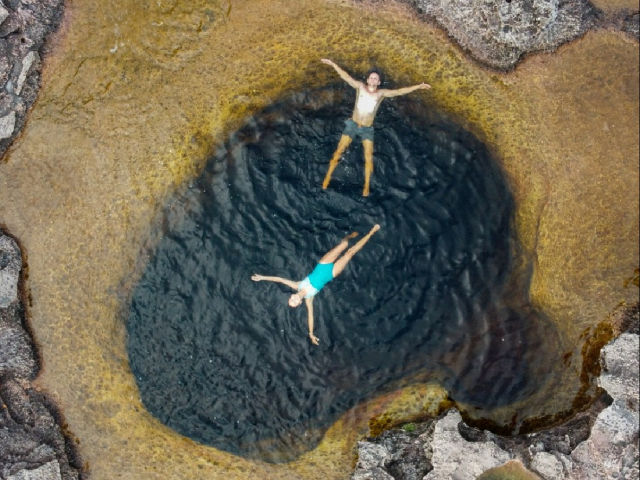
[360, 124]
[328, 268]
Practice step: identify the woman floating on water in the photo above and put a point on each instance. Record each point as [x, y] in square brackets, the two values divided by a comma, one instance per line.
[328, 268]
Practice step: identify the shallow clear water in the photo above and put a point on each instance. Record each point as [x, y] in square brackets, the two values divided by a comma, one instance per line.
[225, 361]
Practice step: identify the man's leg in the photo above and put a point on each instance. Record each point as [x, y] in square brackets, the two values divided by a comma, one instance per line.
[345, 141]
[339, 265]
[368, 165]
[335, 252]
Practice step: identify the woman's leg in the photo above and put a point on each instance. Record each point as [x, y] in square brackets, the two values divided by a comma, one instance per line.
[339, 264]
[332, 255]
[345, 141]
[368, 165]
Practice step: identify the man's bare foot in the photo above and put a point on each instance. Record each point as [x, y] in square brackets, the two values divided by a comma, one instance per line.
[365, 192]
[325, 184]
[375, 228]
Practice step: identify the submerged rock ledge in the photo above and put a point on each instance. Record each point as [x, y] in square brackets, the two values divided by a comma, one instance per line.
[601, 442]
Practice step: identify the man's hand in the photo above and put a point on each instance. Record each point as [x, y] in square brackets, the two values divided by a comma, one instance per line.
[256, 277]
[327, 61]
[424, 86]
[314, 339]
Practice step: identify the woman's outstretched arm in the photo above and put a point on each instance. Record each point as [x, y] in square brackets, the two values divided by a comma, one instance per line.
[314, 339]
[288, 283]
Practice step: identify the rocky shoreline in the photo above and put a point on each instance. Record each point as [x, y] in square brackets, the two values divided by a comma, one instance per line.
[33, 441]
[600, 442]
[500, 34]
[25, 31]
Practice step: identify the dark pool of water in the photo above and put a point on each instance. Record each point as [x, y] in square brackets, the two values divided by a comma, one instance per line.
[225, 361]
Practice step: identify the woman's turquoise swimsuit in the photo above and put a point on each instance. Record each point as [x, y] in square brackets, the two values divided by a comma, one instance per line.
[321, 275]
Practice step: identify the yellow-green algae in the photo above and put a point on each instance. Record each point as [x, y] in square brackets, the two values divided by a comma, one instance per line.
[136, 94]
[512, 470]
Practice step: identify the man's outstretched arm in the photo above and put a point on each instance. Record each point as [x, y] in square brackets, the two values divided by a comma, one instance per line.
[288, 283]
[314, 339]
[404, 91]
[344, 75]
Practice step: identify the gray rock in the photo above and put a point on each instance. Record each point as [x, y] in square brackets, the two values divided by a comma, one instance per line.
[620, 370]
[17, 357]
[456, 458]
[631, 25]
[371, 455]
[499, 33]
[7, 125]
[26, 64]
[398, 453]
[4, 13]
[30, 434]
[612, 449]
[548, 466]
[23, 35]
[376, 473]
[599, 443]
[10, 266]
[48, 471]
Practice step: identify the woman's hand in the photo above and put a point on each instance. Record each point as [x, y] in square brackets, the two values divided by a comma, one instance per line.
[314, 339]
[256, 278]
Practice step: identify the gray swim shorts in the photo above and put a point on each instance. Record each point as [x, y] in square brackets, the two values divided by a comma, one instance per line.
[353, 130]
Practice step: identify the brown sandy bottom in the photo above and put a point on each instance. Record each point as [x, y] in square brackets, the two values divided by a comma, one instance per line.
[127, 117]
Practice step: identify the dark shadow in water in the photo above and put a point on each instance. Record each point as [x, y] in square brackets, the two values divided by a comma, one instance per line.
[225, 361]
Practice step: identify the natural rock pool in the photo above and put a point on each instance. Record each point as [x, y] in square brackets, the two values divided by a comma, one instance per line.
[226, 362]
[125, 124]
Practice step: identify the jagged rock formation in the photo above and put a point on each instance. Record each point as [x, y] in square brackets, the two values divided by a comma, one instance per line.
[24, 29]
[32, 444]
[600, 443]
[499, 34]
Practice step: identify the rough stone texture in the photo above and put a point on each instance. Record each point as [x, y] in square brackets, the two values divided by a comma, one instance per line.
[10, 266]
[30, 436]
[599, 443]
[396, 453]
[375, 473]
[24, 29]
[48, 471]
[620, 370]
[548, 465]
[17, 353]
[32, 445]
[499, 33]
[631, 25]
[455, 457]
[612, 449]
